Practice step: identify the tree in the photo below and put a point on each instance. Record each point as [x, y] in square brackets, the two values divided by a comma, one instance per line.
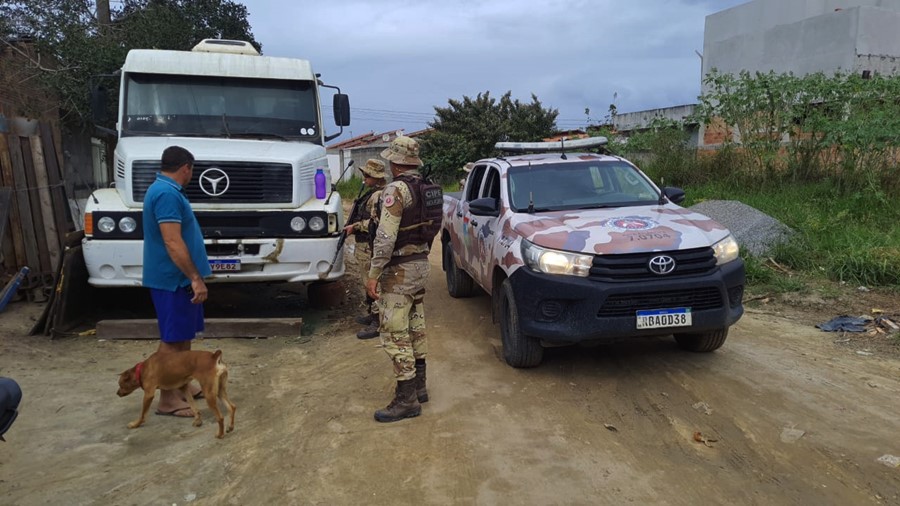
[73, 46]
[467, 129]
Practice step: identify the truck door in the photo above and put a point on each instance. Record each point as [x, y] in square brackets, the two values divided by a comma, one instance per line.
[485, 229]
[471, 192]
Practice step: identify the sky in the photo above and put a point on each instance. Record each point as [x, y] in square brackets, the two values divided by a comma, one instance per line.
[399, 59]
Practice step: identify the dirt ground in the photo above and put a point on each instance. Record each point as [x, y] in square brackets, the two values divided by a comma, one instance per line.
[791, 415]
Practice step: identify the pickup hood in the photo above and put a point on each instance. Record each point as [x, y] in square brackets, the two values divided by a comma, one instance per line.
[218, 149]
[619, 230]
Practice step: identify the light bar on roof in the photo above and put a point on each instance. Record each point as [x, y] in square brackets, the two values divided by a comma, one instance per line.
[539, 147]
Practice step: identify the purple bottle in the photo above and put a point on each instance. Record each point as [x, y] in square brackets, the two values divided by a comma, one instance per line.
[320, 183]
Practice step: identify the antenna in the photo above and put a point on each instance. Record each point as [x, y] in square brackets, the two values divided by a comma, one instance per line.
[340, 178]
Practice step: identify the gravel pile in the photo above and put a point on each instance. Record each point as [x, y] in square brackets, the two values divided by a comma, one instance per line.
[754, 230]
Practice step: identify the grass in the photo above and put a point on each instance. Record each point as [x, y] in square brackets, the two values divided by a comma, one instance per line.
[852, 239]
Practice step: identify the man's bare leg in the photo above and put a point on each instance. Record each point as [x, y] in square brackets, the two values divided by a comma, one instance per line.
[172, 402]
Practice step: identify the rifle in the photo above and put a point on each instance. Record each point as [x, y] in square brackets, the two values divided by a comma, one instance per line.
[343, 236]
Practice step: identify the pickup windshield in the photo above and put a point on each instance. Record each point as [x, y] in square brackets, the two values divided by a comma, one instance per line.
[213, 106]
[578, 185]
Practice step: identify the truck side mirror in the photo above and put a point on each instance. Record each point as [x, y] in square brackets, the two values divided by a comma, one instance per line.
[99, 104]
[486, 206]
[675, 195]
[341, 110]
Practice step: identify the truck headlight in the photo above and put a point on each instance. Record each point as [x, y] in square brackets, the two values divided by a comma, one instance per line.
[127, 225]
[726, 250]
[316, 223]
[106, 224]
[298, 224]
[552, 261]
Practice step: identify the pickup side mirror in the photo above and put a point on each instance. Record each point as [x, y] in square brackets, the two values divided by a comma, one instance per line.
[487, 206]
[99, 104]
[675, 195]
[341, 110]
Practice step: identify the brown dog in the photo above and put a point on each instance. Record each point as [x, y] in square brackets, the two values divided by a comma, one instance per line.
[171, 371]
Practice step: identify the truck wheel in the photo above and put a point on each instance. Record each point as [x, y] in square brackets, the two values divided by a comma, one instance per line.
[519, 350]
[459, 283]
[702, 342]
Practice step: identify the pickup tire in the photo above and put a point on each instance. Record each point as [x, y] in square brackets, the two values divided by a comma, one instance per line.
[702, 342]
[459, 283]
[519, 350]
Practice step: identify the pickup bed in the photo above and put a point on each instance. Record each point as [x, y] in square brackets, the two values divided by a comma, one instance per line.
[580, 247]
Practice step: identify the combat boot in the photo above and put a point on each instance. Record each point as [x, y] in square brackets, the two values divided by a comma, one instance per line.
[404, 404]
[367, 319]
[421, 392]
[368, 332]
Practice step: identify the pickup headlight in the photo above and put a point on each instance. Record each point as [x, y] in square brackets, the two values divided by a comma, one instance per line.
[551, 261]
[726, 250]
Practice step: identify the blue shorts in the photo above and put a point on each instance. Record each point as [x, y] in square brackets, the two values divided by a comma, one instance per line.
[179, 320]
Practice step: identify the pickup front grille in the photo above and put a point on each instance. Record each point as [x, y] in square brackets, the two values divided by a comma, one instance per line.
[633, 266]
[248, 182]
[626, 304]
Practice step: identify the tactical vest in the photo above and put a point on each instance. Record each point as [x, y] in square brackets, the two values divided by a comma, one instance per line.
[361, 213]
[421, 221]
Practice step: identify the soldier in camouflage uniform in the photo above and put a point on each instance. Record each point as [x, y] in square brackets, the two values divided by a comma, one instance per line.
[401, 269]
[362, 223]
[467, 169]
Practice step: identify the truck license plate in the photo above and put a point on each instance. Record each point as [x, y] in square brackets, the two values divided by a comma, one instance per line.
[225, 265]
[662, 318]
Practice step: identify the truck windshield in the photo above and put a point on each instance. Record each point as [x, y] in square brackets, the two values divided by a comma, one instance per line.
[579, 185]
[214, 106]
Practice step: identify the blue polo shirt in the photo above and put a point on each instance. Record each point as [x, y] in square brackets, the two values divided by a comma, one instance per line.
[165, 202]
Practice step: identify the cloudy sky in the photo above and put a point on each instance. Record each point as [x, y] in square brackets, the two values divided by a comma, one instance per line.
[398, 59]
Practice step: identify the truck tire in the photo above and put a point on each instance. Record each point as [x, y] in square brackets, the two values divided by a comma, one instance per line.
[459, 283]
[519, 350]
[702, 342]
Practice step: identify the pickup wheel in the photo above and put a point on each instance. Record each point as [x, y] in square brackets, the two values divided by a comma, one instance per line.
[519, 350]
[459, 283]
[702, 342]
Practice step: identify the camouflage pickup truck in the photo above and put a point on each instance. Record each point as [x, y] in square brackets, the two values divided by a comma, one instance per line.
[579, 247]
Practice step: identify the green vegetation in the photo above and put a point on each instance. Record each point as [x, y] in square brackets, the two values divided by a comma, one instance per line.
[466, 130]
[818, 153]
[349, 188]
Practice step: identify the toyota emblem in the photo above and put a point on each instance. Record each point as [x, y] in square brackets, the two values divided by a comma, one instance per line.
[214, 182]
[661, 264]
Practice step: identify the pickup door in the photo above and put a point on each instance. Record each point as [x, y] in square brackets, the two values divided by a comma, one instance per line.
[479, 226]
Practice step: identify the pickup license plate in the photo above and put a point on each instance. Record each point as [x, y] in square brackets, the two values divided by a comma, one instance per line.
[662, 318]
[225, 265]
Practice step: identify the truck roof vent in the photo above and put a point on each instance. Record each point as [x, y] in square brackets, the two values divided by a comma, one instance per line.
[225, 46]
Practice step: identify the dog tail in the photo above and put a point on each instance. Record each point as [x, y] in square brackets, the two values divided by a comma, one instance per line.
[218, 356]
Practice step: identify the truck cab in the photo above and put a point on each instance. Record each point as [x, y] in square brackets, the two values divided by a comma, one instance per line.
[255, 128]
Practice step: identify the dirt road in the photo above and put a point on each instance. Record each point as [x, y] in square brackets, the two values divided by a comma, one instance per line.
[790, 418]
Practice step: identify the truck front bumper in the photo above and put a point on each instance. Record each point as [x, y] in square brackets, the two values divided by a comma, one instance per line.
[116, 262]
[568, 309]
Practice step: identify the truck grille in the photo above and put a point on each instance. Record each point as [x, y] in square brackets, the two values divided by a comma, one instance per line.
[633, 266]
[696, 299]
[249, 182]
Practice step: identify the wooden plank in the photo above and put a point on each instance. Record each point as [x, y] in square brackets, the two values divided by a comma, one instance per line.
[216, 328]
[57, 188]
[54, 240]
[15, 226]
[36, 216]
[23, 203]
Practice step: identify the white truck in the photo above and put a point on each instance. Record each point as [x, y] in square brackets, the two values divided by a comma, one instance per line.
[257, 134]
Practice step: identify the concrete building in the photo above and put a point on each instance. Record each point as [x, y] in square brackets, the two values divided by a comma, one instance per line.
[797, 36]
[804, 36]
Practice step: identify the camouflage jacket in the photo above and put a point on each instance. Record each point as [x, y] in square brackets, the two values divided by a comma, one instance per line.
[395, 199]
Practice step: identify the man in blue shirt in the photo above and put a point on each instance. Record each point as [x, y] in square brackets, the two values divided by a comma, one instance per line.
[175, 264]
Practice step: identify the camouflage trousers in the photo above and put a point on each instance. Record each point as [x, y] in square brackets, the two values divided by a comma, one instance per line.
[402, 306]
[363, 255]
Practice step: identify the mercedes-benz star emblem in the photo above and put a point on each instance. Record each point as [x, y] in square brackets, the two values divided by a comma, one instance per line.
[661, 264]
[214, 182]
